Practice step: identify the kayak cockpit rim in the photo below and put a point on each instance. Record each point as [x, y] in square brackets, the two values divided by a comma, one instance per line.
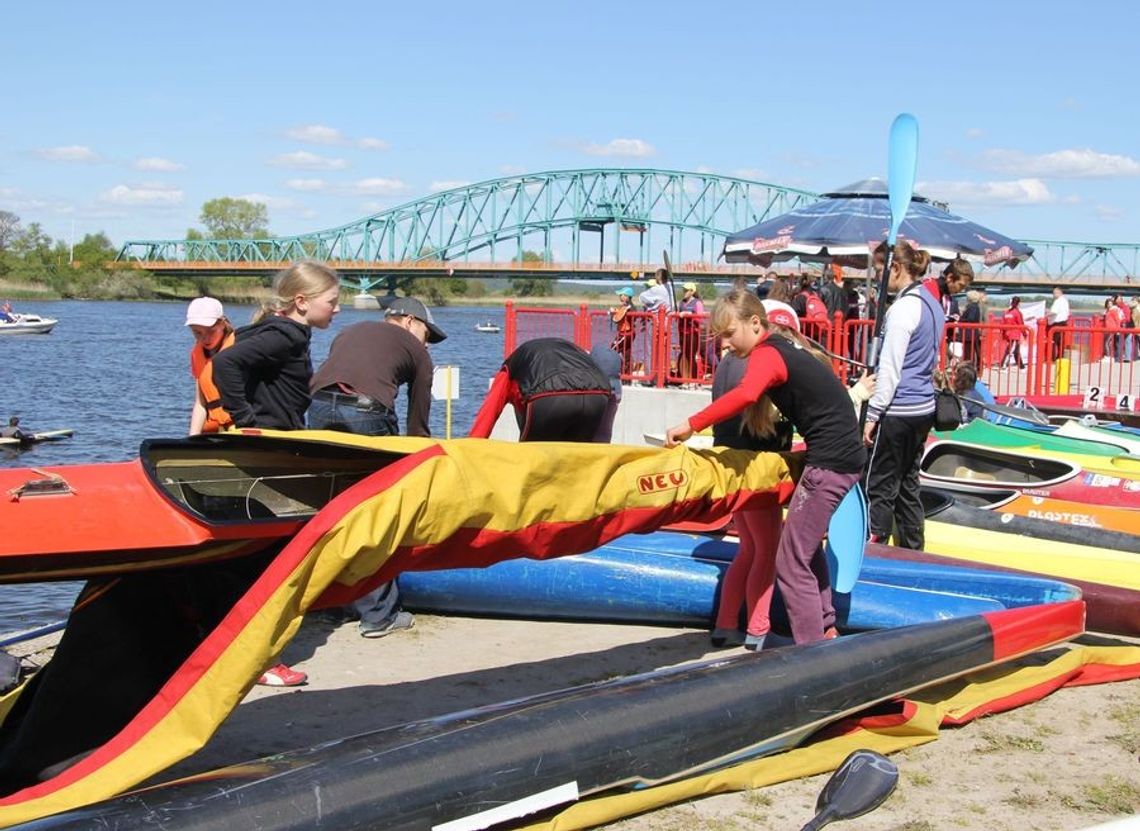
[222, 479]
[954, 461]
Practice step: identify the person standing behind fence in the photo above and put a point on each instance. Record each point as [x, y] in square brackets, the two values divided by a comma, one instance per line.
[1013, 329]
[901, 410]
[1058, 315]
[623, 340]
[1112, 324]
[355, 391]
[972, 337]
[784, 370]
[212, 333]
[689, 333]
[658, 295]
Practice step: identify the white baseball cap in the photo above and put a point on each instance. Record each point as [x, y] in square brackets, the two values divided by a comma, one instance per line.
[204, 311]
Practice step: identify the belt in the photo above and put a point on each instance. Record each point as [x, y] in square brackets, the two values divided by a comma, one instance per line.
[360, 402]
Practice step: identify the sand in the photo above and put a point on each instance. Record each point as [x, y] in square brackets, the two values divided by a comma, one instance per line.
[1066, 762]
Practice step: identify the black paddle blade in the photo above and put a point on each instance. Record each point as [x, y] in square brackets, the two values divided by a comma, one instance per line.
[861, 784]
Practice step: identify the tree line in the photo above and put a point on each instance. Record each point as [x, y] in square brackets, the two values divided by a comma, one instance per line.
[32, 263]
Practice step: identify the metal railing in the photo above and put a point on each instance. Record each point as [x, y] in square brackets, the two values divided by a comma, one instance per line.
[1083, 364]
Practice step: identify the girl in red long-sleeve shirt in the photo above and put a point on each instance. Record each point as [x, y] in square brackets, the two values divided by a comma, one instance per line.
[783, 371]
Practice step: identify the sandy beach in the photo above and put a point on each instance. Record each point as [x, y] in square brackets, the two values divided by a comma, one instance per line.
[1066, 762]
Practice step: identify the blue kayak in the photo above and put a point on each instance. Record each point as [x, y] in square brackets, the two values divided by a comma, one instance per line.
[672, 579]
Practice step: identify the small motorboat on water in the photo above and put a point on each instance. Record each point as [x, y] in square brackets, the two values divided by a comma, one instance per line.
[26, 324]
[489, 327]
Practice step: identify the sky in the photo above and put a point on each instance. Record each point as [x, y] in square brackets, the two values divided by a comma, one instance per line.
[126, 117]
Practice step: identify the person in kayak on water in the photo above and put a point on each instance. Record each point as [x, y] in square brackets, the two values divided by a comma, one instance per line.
[901, 411]
[785, 372]
[263, 378]
[13, 431]
[212, 333]
[559, 393]
[355, 390]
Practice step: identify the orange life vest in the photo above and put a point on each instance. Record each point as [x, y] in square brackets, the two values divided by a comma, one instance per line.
[202, 368]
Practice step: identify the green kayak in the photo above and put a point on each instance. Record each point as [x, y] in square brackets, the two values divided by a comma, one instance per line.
[989, 434]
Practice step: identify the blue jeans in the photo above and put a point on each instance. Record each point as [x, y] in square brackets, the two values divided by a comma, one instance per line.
[383, 602]
[347, 418]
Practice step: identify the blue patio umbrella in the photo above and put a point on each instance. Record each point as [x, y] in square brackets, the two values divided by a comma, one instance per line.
[845, 226]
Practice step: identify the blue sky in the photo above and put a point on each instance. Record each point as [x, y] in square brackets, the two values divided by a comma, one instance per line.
[126, 117]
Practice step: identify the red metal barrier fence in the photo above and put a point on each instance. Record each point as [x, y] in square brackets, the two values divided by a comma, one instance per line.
[1082, 365]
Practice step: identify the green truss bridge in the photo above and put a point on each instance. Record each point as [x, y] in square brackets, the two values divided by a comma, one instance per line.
[603, 222]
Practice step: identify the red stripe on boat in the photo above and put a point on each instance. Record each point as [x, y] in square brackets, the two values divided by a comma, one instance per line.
[1017, 631]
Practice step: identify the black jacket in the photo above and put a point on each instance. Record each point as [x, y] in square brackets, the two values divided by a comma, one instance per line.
[264, 377]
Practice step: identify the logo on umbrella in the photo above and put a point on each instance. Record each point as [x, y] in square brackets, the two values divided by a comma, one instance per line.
[986, 241]
[995, 256]
[760, 245]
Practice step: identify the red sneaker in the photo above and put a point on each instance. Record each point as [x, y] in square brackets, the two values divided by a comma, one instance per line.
[282, 676]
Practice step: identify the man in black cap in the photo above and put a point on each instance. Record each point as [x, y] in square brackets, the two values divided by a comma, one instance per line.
[354, 391]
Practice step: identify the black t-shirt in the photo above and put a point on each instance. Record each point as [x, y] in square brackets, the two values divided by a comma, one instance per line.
[264, 377]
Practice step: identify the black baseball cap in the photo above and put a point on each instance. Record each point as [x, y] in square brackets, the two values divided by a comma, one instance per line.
[414, 308]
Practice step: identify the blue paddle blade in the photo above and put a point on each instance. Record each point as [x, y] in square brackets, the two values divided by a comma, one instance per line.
[846, 540]
[902, 165]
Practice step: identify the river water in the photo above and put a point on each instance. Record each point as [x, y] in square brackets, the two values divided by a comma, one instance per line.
[118, 373]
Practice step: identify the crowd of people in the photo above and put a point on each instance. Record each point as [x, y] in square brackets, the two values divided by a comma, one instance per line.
[771, 379]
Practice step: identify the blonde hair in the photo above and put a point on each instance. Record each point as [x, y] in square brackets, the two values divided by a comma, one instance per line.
[740, 306]
[306, 278]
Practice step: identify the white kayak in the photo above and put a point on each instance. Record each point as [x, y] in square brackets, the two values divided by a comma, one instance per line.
[36, 438]
[22, 324]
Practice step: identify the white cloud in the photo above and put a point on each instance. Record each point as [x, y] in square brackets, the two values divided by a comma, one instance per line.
[70, 153]
[308, 185]
[1080, 163]
[622, 147]
[378, 187]
[144, 194]
[447, 184]
[1109, 213]
[304, 160]
[372, 144]
[157, 164]
[316, 134]
[512, 169]
[1015, 192]
[975, 133]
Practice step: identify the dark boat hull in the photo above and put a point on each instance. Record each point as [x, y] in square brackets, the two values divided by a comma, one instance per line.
[492, 765]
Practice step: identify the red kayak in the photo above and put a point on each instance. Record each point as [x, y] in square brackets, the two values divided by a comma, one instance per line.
[958, 463]
[182, 501]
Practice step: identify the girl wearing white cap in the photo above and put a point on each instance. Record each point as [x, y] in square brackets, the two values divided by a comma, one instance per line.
[212, 333]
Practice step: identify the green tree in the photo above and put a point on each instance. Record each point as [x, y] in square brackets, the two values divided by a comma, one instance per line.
[530, 287]
[228, 218]
[94, 251]
[529, 256]
[9, 229]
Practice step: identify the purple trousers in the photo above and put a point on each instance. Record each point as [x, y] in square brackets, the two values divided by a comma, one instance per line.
[801, 569]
